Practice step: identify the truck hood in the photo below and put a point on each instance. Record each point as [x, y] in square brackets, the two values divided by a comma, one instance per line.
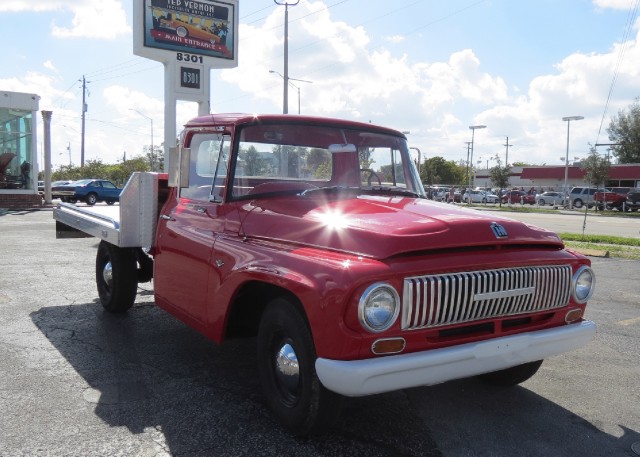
[384, 226]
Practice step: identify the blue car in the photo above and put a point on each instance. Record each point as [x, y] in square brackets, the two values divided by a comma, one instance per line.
[90, 191]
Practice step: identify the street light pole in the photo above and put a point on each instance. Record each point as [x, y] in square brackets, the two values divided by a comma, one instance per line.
[473, 131]
[285, 95]
[568, 120]
[152, 154]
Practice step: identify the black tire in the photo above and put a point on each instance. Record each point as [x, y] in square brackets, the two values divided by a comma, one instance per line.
[110, 202]
[91, 199]
[577, 203]
[116, 277]
[541, 202]
[511, 376]
[286, 365]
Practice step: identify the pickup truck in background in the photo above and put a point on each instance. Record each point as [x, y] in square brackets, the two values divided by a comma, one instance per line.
[606, 199]
[315, 236]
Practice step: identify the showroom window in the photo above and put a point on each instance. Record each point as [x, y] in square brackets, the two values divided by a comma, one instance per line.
[16, 149]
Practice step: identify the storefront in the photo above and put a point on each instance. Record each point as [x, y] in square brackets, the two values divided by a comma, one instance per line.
[18, 153]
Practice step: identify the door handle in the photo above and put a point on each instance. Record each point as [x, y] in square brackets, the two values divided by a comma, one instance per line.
[166, 218]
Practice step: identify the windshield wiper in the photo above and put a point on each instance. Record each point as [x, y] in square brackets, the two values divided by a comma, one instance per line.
[392, 190]
[329, 189]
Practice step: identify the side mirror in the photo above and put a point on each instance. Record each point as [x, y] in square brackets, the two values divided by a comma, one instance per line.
[172, 165]
[185, 163]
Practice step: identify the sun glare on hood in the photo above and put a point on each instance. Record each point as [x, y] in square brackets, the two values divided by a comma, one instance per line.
[334, 220]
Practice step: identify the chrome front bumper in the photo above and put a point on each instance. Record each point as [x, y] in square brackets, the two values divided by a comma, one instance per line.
[356, 378]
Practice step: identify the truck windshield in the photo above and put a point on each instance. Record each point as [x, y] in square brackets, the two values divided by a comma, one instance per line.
[291, 158]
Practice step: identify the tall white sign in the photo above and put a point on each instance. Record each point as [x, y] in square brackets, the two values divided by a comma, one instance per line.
[190, 37]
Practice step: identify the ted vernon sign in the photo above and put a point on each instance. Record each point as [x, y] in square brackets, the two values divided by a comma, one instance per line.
[193, 27]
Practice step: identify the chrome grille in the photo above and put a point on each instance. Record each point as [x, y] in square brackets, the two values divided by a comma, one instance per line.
[446, 299]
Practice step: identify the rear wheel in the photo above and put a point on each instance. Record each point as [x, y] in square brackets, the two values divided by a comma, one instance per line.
[512, 376]
[116, 277]
[577, 203]
[286, 365]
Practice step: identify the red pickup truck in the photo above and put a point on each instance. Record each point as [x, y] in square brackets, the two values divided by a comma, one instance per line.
[609, 200]
[315, 236]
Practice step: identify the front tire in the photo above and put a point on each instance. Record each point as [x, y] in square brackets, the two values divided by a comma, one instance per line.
[577, 203]
[91, 199]
[286, 365]
[116, 277]
[511, 376]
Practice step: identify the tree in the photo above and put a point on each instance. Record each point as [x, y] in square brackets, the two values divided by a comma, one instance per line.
[500, 175]
[624, 132]
[596, 168]
[437, 170]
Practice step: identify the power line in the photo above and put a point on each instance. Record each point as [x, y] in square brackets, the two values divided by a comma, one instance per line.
[631, 19]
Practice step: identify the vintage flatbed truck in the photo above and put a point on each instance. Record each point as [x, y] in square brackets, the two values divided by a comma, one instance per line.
[314, 236]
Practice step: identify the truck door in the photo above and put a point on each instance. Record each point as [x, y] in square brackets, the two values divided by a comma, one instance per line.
[188, 229]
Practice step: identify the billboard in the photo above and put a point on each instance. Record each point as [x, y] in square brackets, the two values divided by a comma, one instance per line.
[198, 30]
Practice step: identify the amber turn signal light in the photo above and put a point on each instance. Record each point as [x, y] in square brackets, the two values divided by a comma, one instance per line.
[388, 346]
[573, 315]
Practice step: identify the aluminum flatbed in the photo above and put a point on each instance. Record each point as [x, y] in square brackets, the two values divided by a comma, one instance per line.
[132, 223]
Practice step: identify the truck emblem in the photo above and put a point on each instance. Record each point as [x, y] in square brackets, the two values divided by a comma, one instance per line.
[498, 230]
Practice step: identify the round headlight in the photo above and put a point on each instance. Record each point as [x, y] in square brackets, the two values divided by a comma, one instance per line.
[583, 283]
[379, 307]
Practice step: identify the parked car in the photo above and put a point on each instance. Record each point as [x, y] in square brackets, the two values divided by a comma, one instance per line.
[606, 199]
[479, 196]
[518, 196]
[90, 191]
[580, 196]
[550, 198]
[632, 203]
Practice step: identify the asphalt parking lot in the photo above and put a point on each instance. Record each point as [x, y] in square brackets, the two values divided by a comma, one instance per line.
[76, 381]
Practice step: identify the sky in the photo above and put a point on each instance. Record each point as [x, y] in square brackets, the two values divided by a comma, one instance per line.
[426, 67]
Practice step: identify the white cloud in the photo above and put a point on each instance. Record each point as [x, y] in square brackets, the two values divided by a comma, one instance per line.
[614, 4]
[395, 39]
[102, 19]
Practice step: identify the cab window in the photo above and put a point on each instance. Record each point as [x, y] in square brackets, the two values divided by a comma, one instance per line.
[208, 167]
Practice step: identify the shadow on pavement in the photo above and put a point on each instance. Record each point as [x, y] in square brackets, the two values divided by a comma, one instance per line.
[146, 369]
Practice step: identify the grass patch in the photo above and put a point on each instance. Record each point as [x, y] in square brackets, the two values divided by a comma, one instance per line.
[600, 239]
[618, 246]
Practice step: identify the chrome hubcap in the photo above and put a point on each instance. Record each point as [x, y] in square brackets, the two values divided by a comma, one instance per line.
[107, 274]
[287, 368]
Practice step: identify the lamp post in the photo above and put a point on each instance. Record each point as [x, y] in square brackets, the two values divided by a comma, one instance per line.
[153, 155]
[473, 131]
[285, 96]
[292, 85]
[568, 119]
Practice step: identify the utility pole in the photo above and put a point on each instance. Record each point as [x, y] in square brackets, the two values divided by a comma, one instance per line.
[506, 158]
[468, 143]
[84, 110]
